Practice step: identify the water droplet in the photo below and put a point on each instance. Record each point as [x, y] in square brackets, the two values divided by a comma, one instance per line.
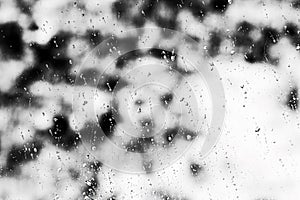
[173, 58]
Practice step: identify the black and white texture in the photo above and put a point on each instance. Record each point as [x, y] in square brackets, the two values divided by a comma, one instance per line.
[254, 45]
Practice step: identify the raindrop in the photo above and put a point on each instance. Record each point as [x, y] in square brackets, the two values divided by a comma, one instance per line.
[172, 58]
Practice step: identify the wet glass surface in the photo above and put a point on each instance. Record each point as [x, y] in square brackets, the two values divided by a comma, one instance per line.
[153, 99]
